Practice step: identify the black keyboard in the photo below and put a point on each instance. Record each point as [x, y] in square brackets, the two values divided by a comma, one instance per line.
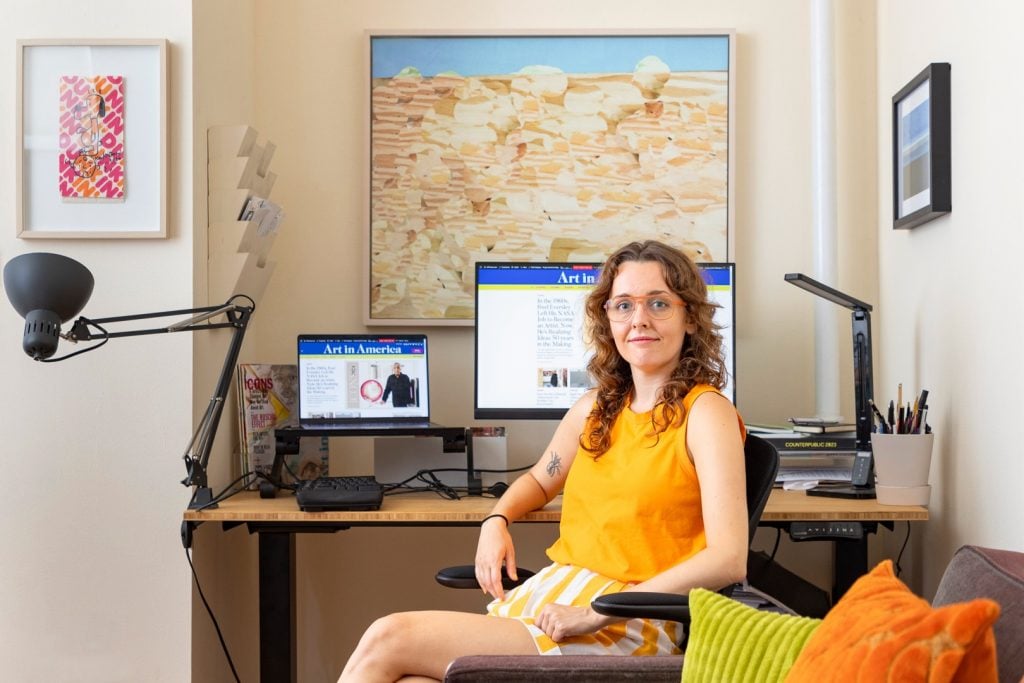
[339, 493]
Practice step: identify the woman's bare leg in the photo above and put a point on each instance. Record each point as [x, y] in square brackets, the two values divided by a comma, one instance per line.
[422, 644]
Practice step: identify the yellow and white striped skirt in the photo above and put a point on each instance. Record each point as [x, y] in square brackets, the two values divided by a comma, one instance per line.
[568, 585]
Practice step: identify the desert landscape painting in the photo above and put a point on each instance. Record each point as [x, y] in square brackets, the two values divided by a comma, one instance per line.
[538, 149]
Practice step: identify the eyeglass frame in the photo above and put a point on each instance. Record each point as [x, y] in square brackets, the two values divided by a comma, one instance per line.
[642, 302]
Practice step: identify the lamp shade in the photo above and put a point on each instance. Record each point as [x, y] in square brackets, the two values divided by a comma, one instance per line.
[46, 290]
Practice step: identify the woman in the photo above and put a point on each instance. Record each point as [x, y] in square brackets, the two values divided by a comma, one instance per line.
[651, 463]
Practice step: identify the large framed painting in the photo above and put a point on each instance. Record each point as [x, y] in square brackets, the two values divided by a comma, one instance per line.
[538, 147]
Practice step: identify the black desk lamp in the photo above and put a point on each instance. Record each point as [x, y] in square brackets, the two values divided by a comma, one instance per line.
[863, 383]
[49, 289]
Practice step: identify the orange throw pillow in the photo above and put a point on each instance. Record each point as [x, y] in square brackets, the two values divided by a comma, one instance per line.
[881, 631]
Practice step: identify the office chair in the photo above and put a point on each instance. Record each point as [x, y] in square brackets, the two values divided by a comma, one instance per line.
[762, 464]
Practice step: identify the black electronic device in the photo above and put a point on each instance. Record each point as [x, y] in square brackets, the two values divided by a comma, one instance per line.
[863, 384]
[862, 480]
[863, 469]
[339, 493]
[814, 531]
[530, 349]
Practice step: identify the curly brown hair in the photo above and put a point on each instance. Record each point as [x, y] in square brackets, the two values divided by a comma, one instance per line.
[701, 359]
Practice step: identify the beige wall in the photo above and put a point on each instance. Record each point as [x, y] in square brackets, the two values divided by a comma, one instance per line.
[309, 88]
[950, 290]
[93, 583]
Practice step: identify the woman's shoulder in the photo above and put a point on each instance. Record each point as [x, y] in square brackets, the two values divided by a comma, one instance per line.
[576, 417]
[585, 403]
[696, 392]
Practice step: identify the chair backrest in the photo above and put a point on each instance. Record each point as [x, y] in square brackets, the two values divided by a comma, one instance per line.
[762, 464]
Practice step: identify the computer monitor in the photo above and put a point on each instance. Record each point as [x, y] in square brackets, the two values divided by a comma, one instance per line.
[530, 355]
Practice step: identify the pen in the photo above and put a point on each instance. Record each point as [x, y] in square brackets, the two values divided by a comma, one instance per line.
[878, 414]
[892, 418]
[899, 394]
[923, 400]
[899, 420]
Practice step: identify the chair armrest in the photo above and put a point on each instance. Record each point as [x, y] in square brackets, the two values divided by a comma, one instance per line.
[464, 576]
[640, 605]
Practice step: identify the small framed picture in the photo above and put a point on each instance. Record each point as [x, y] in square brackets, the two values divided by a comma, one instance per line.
[92, 139]
[921, 183]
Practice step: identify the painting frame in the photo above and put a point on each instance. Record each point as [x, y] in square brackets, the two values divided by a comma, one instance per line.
[140, 210]
[921, 148]
[384, 245]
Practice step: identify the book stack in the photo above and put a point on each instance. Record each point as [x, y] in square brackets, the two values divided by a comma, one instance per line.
[811, 457]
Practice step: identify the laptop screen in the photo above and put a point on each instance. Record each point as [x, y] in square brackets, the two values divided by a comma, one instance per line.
[361, 377]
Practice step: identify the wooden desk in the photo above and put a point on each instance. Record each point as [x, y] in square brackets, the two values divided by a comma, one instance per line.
[793, 506]
[277, 520]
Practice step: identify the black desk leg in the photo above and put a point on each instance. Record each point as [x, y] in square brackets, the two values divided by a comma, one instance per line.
[851, 562]
[277, 607]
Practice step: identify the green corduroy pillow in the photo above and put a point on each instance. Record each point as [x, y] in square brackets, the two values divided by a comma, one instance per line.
[730, 641]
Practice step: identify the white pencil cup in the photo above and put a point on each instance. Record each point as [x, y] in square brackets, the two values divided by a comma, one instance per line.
[902, 462]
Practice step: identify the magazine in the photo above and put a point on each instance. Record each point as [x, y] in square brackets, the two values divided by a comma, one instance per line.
[268, 399]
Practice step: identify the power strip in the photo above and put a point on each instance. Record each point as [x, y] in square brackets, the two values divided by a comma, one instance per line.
[810, 531]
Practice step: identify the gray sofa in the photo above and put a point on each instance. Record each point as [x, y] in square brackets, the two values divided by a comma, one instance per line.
[972, 573]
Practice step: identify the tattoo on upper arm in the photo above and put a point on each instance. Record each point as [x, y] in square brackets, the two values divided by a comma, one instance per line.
[554, 465]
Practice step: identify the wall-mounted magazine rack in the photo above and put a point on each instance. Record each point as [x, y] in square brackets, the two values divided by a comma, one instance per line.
[238, 170]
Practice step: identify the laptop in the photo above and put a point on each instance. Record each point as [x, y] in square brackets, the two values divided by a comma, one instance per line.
[363, 382]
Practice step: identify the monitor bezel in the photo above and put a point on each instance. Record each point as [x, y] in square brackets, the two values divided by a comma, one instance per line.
[490, 413]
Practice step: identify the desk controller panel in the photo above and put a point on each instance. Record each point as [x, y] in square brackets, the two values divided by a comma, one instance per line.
[807, 531]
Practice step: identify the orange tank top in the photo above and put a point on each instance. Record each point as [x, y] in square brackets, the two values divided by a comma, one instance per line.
[635, 511]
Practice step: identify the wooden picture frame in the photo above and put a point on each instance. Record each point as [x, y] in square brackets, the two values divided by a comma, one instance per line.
[921, 168]
[91, 139]
[538, 146]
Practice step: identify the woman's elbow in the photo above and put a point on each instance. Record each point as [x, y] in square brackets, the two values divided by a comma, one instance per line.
[736, 567]
[732, 565]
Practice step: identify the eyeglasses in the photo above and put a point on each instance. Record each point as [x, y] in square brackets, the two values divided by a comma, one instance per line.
[621, 309]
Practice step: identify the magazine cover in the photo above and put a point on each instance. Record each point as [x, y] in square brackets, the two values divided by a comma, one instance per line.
[267, 399]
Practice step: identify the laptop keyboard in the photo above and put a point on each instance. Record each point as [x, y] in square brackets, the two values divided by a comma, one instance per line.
[339, 493]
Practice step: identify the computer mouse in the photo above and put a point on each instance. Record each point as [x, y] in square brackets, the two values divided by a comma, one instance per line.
[497, 489]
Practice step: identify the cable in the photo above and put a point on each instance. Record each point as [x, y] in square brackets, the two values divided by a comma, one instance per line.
[434, 484]
[252, 304]
[226, 493]
[775, 548]
[900, 556]
[81, 351]
[220, 636]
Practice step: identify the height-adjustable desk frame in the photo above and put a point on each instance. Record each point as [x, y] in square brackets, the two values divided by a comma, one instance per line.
[277, 540]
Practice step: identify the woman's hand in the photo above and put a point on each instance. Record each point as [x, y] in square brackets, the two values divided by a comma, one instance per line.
[492, 550]
[562, 621]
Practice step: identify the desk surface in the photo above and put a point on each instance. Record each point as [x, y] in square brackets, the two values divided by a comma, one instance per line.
[428, 508]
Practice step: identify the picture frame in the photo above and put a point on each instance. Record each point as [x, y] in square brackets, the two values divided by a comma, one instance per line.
[921, 161]
[538, 146]
[91, 129]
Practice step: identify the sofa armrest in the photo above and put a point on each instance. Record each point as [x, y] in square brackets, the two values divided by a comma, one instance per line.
[574, 668]
[976, 572]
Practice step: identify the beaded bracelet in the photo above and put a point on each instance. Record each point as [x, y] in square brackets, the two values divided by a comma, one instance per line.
[507, 523]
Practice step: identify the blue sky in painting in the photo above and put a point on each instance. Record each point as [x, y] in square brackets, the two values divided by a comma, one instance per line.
[488, 55]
